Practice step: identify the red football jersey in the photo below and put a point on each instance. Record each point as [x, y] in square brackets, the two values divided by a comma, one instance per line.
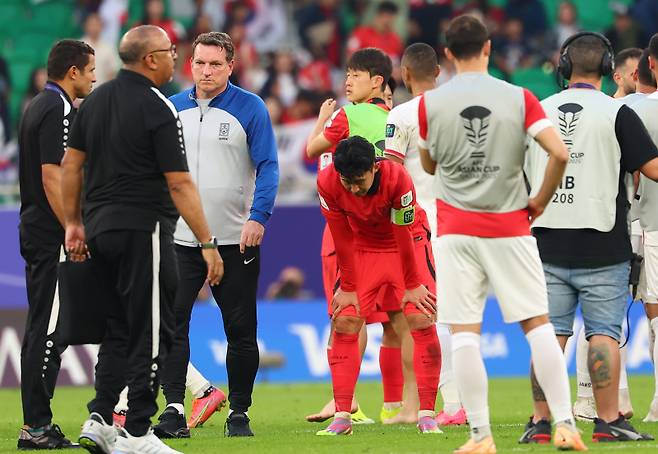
[366, 222]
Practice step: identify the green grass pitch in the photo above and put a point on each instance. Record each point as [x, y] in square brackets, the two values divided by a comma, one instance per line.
[278, 411]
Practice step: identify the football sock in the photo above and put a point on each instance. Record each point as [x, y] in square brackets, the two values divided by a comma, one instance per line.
[122, 405]
[582, 372]
[180, 408]
[447, 385]
[195, 382]
[654, 328]
[427, 365]
[344, 362]
[551, 371]
[471, 378]
[390, 363]
[623, 353]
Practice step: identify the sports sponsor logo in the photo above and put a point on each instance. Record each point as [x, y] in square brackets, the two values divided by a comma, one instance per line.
[568, 116]
[475, 120]
[390, 130]
[323, 203]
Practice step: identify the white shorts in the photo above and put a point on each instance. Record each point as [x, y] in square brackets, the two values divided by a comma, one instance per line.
[648, 287]
[467, 265]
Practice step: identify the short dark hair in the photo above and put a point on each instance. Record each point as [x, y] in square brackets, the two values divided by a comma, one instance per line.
[632, 53]
[465, 36]
[653, 46]
[586, 54]
[421, 60]
[644, 74]
[392, 84]
[354, 156]
[387, 7]
[374, 61]
[66, 54]
[219, 39]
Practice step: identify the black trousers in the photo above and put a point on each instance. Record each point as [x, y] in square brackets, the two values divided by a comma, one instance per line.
[236, 297]
[141, 269]
[40, 351]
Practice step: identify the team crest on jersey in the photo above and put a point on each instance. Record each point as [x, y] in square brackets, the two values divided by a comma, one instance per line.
[568, 116]
[406, 199]
[224, 129]
[390, 130]
[476, 123]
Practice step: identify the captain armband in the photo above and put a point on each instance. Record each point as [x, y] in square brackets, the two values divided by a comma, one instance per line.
[403, 216]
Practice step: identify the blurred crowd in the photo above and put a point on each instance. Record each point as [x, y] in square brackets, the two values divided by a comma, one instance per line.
[291, 52]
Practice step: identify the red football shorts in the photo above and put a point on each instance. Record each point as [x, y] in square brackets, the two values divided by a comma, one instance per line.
[380, 281]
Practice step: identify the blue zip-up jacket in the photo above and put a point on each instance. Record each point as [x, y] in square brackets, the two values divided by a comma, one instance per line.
[232, 156]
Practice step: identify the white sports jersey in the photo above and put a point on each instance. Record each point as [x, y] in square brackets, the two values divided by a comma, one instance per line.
[402, 142]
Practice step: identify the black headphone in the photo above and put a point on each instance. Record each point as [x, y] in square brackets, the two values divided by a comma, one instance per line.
[565, 66]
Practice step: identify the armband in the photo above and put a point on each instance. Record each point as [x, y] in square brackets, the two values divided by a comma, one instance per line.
[403, 216]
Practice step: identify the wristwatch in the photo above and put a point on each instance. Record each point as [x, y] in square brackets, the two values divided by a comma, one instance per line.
[212, 244]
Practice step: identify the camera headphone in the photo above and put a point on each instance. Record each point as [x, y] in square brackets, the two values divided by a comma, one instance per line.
[565, 66]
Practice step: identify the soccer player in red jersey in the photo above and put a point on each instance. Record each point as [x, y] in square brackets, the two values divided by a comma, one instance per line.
[366, 86]
[382, 245]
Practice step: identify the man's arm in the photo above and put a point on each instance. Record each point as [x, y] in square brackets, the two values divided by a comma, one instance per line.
[263, 153]
[317, 142]
[638, 151]
[51, 177]
[397, 138]
[551, 142]
[71, 191]
[426, 160]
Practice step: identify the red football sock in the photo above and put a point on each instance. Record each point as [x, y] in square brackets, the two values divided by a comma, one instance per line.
[390, 363]
[344, 362]
[427, 365]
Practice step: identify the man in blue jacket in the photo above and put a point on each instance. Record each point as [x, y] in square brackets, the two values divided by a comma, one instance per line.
[232, 156]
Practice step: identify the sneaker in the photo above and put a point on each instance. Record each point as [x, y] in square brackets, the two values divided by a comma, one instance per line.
[97, 436]
[536, 432]
[387, 413]
[485, 446]
[568, 439]
[625, 405]
[119, 418]
[339, 426]
[46, 437]
[237, 425]
[428, 425]
[617, 430]
[146, 444]
[204, 407]
[652, 416]
[172, 425]
[444, 419]
[585, 409]
[359, 417]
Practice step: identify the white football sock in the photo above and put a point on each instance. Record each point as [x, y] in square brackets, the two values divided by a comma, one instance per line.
[582, 372]
[551, 371]
[471, 378]
[654, 328]
[447, 385]
[122, 405]
[180, 408]
[623, 353]
[195, 382]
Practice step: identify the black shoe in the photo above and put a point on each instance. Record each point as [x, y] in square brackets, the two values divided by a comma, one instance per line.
[617, 430]
[48, 437]
[237, 425]
[172, 425]
[536, 432]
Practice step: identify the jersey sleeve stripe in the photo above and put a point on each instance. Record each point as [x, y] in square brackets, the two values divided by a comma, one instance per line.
[539, 126]
[397, 154]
